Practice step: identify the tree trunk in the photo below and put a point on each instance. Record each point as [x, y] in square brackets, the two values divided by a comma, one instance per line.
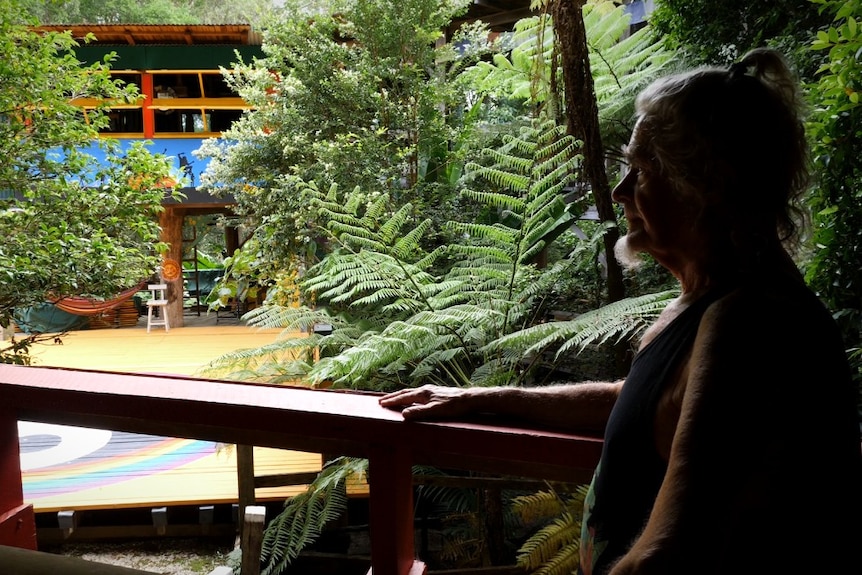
[583, 123]
[171, 222]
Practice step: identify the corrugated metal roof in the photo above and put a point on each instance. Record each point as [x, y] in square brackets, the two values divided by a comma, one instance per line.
[162, 34]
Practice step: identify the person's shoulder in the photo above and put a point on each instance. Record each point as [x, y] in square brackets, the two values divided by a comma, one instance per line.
[773, 319]
[769, 304]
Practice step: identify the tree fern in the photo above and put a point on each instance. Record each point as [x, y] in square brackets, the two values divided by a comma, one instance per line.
[305, 515]
[553, 549]
[621, 64]
[420, 325]
[616, 321]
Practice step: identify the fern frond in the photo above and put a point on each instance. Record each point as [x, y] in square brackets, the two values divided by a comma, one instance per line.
[378, 208]
[501, 178]
[537, 506]
[564, 562]
[555, 547]
[305, 515]
[357, 238]
[495, 199]
[616, 320]
[550, 545]
[493, 233]
[407, 247]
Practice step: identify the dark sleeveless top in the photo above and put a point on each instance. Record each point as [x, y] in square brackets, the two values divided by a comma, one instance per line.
[630, 470]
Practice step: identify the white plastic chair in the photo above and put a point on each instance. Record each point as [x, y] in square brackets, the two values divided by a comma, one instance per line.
[158, 300]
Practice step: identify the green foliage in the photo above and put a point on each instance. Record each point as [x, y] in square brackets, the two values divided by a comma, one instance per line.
[72, 226]
[148, 12]
[419, 326]
[305, 515]
[17, 351]
[468, 313]
[554, 548]
[364, 112]
[721, 32]
[239, 281]
[621, 63]
[836, 129]
[617, 321]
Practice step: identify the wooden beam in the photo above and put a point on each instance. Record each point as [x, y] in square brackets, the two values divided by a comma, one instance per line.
[17, 561]
[317, 421]
[55, 535]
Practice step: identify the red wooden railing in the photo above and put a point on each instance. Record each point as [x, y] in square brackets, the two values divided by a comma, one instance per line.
[335, 422]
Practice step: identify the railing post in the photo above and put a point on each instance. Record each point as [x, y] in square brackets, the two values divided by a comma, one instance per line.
[244, 481]
[252, 539]
[391, 512]
[17, 521]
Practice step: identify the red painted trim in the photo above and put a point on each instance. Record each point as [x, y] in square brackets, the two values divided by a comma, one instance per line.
[319, 421]
[17, 520]
[391, 509]
[18, 527]
[11, 493]
[149, 115]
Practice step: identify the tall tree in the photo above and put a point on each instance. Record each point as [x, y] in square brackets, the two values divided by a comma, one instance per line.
[351, 98]
[582, 118]
[72, 225]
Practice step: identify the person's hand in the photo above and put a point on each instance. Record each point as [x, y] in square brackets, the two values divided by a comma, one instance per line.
[429, 402]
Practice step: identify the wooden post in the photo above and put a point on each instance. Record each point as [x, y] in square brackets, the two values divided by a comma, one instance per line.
[171, 222]
[244, 481]
[391, 512]
[17, 520]
[231, 240]
[160, 519]
[68, 521]
[252, 539]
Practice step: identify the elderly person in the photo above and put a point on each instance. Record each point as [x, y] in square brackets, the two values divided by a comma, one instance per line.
[733, 445]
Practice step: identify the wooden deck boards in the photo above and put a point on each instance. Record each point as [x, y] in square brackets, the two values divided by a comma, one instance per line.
[69, 468]
[182, 350]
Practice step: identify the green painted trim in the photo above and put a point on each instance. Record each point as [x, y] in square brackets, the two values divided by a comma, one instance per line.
[168, 57]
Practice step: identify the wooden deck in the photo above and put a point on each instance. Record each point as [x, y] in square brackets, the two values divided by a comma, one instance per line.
[68, 468]
[180, 351]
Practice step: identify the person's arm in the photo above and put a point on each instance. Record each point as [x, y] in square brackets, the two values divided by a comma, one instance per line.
[568, 407]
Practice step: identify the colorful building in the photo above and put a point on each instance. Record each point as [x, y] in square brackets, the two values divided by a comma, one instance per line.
[184, 100]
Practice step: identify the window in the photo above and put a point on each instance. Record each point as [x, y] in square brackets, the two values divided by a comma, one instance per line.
[125, 118]
[193, 102]
[124, 121]
[176, 85]
[215, 87]
[185, 103]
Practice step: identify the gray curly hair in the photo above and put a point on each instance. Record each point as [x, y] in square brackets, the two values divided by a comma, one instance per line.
[733, 141]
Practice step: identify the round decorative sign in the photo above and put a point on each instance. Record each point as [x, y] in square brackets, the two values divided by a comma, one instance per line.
[170, 270]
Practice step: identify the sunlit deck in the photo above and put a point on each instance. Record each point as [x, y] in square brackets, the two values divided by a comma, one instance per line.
[67, 468]
[181, 351]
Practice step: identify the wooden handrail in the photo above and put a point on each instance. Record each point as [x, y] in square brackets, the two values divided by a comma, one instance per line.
[347, 423]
